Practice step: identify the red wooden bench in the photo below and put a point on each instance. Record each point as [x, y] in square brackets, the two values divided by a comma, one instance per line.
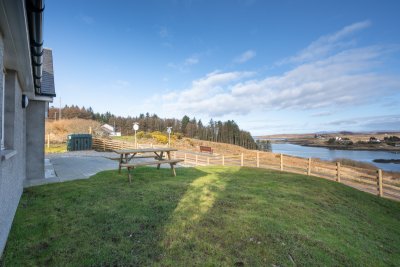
[206, 149]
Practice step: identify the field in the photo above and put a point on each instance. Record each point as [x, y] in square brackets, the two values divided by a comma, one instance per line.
[211, 216]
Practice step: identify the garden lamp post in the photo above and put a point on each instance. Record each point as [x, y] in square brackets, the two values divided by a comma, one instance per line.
[135, 128]
[169, 130]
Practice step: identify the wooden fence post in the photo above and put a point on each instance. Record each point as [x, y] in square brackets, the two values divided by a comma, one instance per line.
[48, 140]
[185, 159]
[241, 160]
[281, 162]
[197, 158]
[223, 160]
[258, 159]
[338, 172]
[379, 182]
[309, 167]
[104, 145]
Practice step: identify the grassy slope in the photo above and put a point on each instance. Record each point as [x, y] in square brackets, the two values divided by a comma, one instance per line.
[55, 148]
[204, 216]
[60, 129]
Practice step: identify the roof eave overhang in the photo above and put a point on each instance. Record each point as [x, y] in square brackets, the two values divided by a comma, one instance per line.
[15, 34]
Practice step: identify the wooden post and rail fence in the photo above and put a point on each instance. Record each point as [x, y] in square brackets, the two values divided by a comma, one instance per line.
[369, 180]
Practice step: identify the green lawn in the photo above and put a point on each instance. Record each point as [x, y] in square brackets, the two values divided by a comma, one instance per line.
[205, 216]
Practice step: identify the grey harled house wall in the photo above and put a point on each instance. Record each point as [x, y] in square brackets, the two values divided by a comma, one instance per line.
[22, 159]
[12, 166]
[35, 139]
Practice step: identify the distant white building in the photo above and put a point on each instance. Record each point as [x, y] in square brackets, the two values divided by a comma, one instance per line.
[110, 130]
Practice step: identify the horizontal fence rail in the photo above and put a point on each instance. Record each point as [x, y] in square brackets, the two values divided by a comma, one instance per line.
[368, 180]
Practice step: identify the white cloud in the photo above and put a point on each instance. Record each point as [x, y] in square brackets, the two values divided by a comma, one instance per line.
[186, 64]
[193, 60]
[206, 95]
[347, 77]
[321, 114]
[327, 44]
[246, 56]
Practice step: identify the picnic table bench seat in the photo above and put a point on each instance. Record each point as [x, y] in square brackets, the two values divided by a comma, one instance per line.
[132, 165]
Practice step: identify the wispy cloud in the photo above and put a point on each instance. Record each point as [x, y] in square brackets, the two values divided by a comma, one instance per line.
[193, 60]
[387, 122]
[163, 32]
[165, 35]
[341, 78]
[122, 83]
[86, 19]
[245, 56]
[185, 65]
[321, 114]
[328, 43]
[119, 85]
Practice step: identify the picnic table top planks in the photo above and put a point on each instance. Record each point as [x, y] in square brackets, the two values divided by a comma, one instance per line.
[144, 150]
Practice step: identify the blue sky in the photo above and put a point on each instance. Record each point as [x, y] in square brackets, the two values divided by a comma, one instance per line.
[272, 66]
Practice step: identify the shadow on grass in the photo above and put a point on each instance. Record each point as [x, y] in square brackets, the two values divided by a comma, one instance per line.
[204, 216]
[263, 218]
[100, 221]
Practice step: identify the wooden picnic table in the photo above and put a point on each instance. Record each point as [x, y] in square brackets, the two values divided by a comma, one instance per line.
[128, 156]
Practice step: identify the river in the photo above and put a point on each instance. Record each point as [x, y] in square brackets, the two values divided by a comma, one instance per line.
[331, 154]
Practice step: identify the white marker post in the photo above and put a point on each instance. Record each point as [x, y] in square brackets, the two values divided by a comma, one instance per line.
[135, 128]
[169, 130]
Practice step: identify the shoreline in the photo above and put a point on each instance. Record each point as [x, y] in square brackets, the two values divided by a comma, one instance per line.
[339, 147]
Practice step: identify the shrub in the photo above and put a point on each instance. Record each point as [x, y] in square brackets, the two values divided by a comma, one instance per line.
[178, 135]
[331, 140]
[160, 137]
[140, 134]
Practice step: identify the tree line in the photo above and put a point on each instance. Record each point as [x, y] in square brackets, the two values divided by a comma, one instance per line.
[217, 131]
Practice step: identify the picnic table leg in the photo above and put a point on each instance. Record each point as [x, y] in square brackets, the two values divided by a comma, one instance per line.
[129, 174]
[120, 161]
[173, 169]
[161, 156]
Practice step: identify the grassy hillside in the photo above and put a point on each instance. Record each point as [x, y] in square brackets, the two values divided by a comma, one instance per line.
[59, 130]
[185, 143]
[210, 216]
